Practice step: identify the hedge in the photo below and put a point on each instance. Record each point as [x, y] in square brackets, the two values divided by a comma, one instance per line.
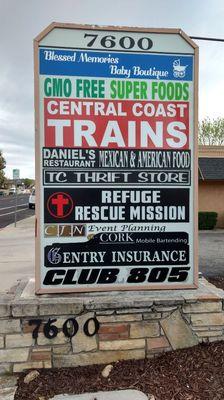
[207, 219]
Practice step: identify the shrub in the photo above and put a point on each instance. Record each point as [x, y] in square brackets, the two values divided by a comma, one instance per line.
[207, 219]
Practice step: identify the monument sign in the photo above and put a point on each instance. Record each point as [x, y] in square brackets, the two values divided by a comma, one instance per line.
[116, 166]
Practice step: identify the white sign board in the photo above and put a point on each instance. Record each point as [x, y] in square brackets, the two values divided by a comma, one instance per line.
[116, 168]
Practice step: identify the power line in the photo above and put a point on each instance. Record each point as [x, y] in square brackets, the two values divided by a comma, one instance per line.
[207, 38]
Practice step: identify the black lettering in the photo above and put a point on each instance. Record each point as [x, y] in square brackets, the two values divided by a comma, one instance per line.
[158, 274]
[50, 331]
[91, 42]
[50, 277]
[108, 41]
[127, 42]
[69, 277]
[108, 275]
[145, 43]
[70, 327]
[88, 276]
[36, 322]
[86, 327]
[178, 274]
[137, 275]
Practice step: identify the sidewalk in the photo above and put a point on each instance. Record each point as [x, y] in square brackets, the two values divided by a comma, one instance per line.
[17, 253]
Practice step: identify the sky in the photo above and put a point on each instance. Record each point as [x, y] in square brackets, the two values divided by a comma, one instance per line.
[22, 20]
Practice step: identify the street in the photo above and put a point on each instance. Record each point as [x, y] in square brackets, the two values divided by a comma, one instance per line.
[7, 209]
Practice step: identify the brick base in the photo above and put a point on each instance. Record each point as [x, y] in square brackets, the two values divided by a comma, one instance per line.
[133, 326]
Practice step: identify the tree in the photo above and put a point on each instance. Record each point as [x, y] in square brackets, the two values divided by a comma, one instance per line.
[211, 132]
[28, 182]
[2, 173]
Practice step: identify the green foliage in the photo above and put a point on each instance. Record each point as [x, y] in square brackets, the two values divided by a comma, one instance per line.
[207, 220]
[211, 132]
[3, 179]
[28, 182]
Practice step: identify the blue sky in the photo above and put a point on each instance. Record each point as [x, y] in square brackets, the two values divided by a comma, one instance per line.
[22, 20]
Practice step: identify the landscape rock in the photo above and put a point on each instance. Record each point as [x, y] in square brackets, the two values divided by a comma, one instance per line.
[31, 376]
[178, 332]
[107, 370]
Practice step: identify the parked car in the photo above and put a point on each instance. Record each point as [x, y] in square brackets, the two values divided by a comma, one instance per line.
[12, 190]
[32, 199]
[2, 193]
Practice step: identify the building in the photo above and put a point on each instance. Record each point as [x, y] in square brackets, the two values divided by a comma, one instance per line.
[211, 181]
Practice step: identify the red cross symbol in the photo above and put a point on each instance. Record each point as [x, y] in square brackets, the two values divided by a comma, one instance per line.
[60, 205]
[60, 201]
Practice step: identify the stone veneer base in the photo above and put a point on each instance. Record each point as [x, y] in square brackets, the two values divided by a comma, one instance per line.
[133, 325]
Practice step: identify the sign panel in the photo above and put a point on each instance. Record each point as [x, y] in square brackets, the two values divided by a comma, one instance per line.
[116, 159]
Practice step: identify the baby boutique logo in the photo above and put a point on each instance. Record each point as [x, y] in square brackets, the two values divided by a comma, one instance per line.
[179, 70]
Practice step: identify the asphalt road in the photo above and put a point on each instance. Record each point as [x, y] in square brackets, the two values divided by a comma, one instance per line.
[7, 209]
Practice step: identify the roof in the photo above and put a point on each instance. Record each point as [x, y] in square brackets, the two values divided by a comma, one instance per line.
[211, 168]
[211, 151]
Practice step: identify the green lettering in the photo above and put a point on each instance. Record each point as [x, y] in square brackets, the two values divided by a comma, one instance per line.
[113, 89]
[101, 88]
[67, 87]
[90, 88]
[186, 91]
[47, 87]
[154, 89]
[78, 87]
[170, 91]
[143, 94]
[57, 87]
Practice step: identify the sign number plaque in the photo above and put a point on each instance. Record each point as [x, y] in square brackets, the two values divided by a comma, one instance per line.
[116, 166]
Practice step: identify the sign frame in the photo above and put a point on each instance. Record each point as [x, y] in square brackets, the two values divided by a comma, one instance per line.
[38, 182]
